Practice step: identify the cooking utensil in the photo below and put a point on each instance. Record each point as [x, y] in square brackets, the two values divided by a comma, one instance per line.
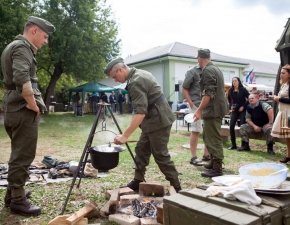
[132, 141]
[105, 157]
[279, 171]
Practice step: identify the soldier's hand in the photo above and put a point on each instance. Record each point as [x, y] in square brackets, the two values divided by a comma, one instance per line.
[120, 139]
[34, 108]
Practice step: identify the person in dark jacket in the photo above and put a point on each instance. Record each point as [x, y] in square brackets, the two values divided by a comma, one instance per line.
[259, 118]
[120, 100]
[238, 100]
[113, 101]
[153, 115]
[23, 105]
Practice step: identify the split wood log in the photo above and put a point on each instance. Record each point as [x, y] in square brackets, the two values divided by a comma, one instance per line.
[75, 217]
[111, 205]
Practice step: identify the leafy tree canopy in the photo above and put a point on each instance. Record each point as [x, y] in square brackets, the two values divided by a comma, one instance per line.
[85, 37]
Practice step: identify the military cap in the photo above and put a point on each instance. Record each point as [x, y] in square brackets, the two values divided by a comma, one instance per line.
[110, 65]
[203, 53]
[43, 24]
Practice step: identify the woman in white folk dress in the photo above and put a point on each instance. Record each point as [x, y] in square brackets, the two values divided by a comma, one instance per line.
[281, 120]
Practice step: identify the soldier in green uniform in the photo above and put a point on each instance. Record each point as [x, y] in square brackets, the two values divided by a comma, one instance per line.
[212, 109]
[153, 115]
[22, 107]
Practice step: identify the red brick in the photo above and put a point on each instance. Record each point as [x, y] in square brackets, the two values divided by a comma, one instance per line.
[151, 189]
[124, 219]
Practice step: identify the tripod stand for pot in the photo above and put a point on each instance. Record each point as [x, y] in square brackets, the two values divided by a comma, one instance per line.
[84, 157]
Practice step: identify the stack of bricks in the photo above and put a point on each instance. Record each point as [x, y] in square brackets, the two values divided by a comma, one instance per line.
[122, 197]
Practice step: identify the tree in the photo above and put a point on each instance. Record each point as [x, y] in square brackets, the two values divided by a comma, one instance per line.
[85, 39]
[13, 14]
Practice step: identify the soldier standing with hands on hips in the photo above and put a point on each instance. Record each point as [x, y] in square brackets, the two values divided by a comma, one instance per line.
[153, 115]
[23, 105]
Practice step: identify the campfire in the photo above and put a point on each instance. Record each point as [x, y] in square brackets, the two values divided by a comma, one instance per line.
[125, 205]
[145, 208]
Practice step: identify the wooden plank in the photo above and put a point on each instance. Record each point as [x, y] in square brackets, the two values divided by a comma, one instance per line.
[225, 132]
[111, 205]
[77, 216]
[59, 220]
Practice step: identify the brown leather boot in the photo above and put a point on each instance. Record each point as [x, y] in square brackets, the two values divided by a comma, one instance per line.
[217, 169]
[20, 204]
[8, 197]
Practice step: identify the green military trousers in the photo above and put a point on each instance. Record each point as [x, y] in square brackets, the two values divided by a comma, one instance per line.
[212, 138]
[155, 143]
[22, 128]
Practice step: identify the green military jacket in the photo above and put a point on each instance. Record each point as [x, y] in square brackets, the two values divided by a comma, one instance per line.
[18, 65]
[191, 83]
[212, 85]
[147, 98]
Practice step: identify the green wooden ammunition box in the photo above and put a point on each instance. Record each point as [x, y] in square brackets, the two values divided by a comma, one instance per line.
[194, 208]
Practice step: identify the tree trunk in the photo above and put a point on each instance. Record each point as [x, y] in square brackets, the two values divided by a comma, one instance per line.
[52, 83]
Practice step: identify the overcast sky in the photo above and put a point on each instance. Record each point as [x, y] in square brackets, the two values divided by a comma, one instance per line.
[240, 28]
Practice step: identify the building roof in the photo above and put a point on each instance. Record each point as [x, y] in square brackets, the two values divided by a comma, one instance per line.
[178, 49]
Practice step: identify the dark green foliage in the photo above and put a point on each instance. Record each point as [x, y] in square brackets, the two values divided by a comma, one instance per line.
[85, 37]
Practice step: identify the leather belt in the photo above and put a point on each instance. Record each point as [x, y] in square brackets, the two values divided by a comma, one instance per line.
[10, 86]
[34, 85]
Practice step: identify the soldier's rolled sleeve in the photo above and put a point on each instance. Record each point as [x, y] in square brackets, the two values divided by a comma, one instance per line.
[187, 80]
[21, 65]
[139, 99]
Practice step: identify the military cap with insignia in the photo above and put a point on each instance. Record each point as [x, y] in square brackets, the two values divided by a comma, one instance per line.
[203, 53]
[112, 63]
[43, 24]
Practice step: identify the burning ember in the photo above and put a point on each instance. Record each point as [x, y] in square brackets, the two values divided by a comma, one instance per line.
[144, 209]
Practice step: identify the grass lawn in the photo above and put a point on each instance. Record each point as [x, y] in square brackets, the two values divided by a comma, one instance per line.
[63, 136]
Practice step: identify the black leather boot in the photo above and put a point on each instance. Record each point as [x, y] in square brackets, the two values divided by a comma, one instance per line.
[234, 145]
[20, 204]
[209, 165]
[217, 169]
[134, 184]
[177, 188]
[8, 197]
[270, 149]
[244, 147]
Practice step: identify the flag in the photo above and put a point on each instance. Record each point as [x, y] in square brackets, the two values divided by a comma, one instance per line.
[250, 77]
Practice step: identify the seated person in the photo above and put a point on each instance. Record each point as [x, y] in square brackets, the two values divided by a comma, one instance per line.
[183, 105]
[259, 118]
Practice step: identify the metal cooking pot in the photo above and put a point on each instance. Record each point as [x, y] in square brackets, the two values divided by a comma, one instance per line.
[105, 157]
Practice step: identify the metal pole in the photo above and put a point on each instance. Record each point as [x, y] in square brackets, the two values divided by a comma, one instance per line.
[128, 147]
[84, 155]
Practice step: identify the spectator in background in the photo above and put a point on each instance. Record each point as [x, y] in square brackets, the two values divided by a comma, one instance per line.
[237, 98]
[94, 101]
[121, 100]
[76, 102]
[259, 118]
[113, 101]
[104, 97]
[281, 120]
[184, 104]
[192, 95]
